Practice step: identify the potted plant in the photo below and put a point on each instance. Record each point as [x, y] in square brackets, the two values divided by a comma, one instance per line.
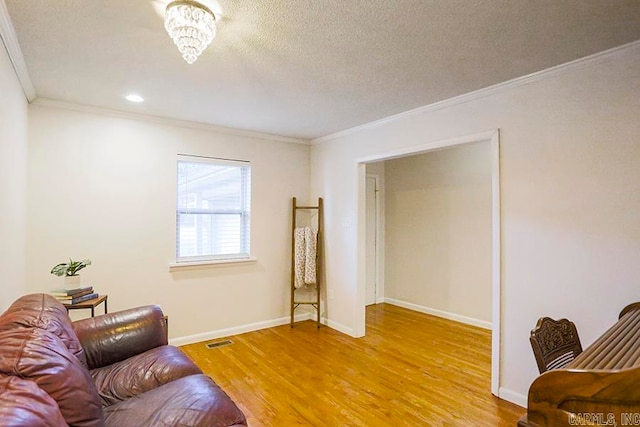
[70, 270]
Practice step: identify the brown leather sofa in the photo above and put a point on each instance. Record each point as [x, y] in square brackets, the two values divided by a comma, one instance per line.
[111, 370]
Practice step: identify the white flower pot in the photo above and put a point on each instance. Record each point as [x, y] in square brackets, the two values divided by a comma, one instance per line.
[71, 281]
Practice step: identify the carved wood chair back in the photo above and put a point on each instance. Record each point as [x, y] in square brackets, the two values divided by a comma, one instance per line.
[555, 343]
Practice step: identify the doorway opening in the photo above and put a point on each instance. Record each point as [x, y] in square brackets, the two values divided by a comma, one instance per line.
[362, 297]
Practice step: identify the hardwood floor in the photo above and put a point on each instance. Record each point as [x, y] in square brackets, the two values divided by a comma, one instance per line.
[411, 369]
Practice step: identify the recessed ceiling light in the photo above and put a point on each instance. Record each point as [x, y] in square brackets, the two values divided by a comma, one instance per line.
[134, 98]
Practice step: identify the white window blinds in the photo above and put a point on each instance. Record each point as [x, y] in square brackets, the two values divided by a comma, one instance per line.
[213, 209]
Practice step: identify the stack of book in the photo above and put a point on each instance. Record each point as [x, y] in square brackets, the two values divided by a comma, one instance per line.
[74, 295]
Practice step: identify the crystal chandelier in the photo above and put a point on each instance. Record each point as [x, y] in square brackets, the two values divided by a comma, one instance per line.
[191, 25]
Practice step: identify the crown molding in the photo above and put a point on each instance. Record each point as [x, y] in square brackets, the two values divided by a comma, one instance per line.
[10, 40]
[484, 92]
[101, 111]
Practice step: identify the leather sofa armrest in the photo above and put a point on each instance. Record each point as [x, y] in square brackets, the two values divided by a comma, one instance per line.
[114, 337]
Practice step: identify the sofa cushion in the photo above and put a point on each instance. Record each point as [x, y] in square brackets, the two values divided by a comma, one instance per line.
[141, 373]
[40, 356]
[116, 336]
[23, 403]
[45, 312]
[190, 401]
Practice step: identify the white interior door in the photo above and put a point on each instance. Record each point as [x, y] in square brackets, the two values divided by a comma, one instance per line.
[371, 241]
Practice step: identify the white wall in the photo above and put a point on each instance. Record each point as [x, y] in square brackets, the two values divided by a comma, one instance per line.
[438, 230]
[13, 182]
[570, 156]
[104, 188]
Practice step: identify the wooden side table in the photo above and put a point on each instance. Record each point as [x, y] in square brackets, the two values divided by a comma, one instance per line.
[91, 303]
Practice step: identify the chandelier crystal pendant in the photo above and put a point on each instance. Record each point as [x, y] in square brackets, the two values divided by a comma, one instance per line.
[191, 25]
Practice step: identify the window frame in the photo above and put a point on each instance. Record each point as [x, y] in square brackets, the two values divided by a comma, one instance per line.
[244, 213]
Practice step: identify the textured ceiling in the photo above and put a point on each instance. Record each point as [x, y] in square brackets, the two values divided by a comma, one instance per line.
[306, 68]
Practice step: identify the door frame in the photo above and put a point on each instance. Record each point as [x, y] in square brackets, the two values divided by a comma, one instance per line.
[360, 175]
[379, 247]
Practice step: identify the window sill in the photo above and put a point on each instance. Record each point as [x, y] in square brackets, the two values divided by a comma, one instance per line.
[196, 265]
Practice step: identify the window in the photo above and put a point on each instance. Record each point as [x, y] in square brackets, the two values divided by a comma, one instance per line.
[213, 209]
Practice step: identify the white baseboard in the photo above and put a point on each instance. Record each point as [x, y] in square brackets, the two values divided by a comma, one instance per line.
[440, 313]
[236, 330]
[337, 326]
[513, 397]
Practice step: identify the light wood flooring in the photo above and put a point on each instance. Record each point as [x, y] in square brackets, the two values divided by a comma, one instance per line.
[411, 369]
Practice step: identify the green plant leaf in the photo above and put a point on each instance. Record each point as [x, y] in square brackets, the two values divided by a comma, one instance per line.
[59, 270]
[71, 268]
